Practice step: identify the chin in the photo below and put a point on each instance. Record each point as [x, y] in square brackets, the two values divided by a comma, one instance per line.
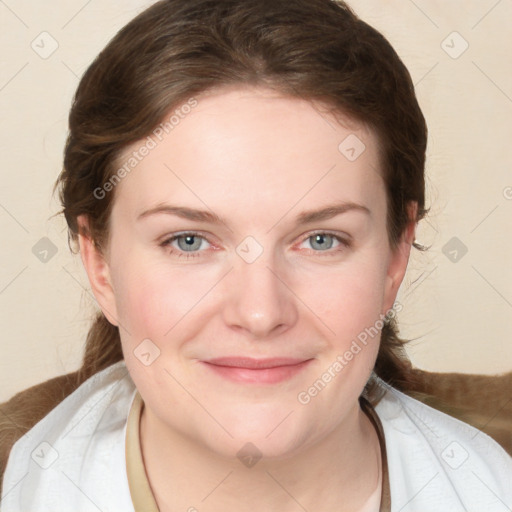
[269, 434]
[250, 450]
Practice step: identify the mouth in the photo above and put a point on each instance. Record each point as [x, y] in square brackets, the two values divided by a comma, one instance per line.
[256, 371]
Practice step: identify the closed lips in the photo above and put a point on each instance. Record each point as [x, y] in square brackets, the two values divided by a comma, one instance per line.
[254, 364]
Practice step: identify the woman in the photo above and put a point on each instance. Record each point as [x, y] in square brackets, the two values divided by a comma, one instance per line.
[243, 180]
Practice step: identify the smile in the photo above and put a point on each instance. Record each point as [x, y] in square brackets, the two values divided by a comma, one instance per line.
[256, 371]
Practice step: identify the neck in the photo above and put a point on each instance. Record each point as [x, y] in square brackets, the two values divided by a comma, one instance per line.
[339, 473]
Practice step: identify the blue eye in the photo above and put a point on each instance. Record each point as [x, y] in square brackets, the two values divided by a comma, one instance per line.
[324, 242]
[188, 244]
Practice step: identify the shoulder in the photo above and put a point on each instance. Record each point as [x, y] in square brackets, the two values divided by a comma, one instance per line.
[65, 448]
[437, 460]
[23, 410]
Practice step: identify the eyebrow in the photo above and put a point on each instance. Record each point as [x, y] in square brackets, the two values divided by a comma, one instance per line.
[306, 217]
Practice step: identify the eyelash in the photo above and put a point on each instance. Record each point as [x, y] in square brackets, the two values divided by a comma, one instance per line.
[344, 244]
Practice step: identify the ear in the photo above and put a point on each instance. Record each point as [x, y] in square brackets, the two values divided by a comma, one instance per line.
[399, 259]
[98, 271]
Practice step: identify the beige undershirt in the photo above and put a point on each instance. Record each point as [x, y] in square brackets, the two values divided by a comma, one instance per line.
[144, 501]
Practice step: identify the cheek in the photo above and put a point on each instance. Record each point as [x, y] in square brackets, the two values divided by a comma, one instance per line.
[349, 310]
[138, 296]
[148, 305]
[153, 298]
[348, 300]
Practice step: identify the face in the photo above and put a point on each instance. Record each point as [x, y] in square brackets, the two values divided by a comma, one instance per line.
[248, 254]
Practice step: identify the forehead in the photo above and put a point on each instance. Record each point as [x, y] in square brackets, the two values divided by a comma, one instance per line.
[251, 150]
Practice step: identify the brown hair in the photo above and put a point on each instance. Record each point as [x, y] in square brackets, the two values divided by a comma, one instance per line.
[177, 49]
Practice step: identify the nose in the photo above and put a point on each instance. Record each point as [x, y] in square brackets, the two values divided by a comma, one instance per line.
[258, 300]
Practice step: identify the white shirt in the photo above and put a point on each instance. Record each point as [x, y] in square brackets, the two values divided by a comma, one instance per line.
[74, 458]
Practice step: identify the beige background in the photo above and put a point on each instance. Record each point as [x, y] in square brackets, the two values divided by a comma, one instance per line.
[458, 313]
